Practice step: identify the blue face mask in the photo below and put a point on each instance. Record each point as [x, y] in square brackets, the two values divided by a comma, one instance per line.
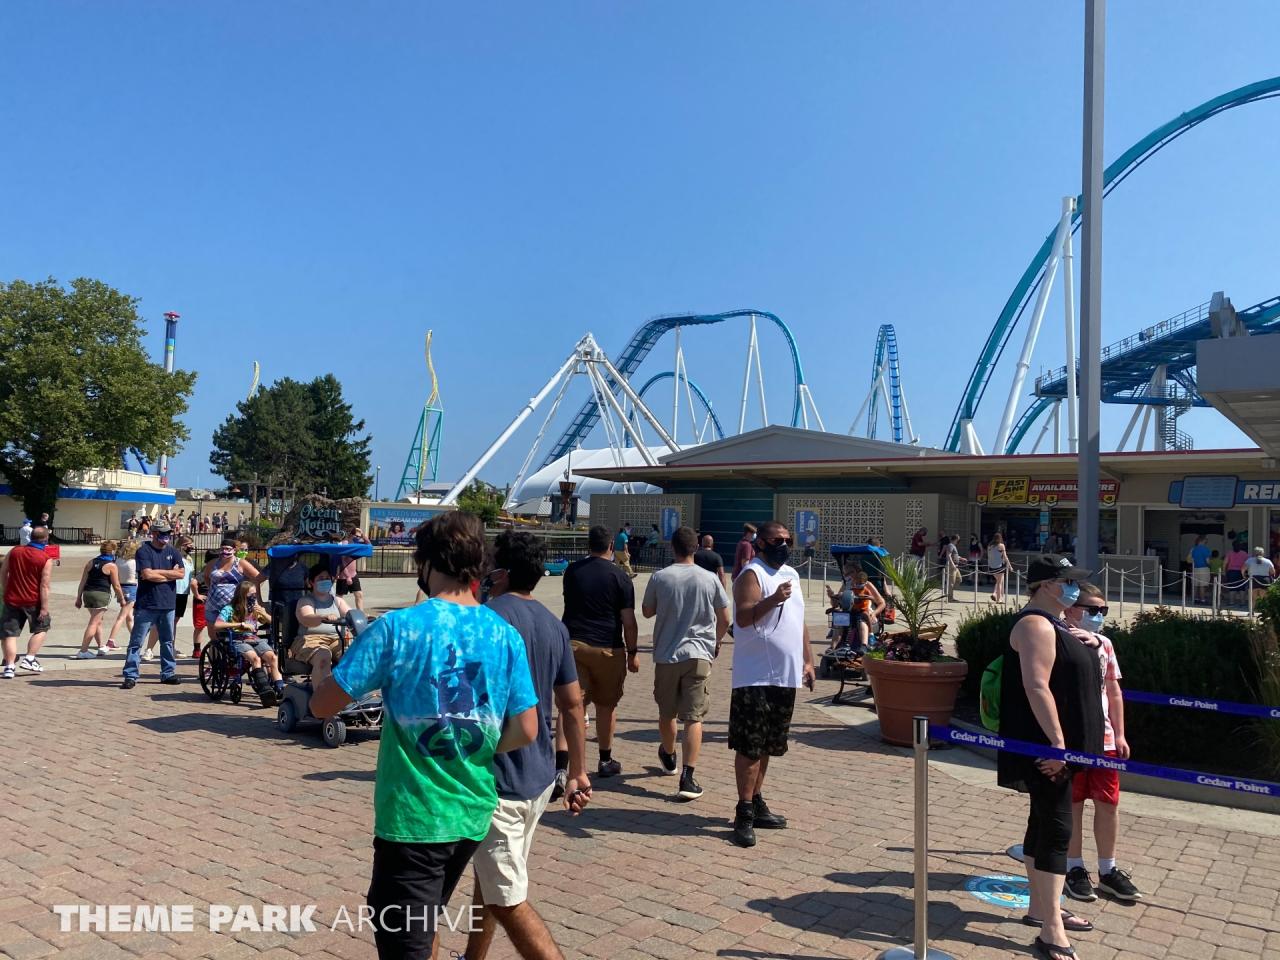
[1070, 593]
[1092, 622]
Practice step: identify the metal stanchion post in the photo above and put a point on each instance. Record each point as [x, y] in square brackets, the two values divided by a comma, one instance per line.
[1142, 587]
[921, 950]
[1121, 572]
[1160, 581]
[1184, 591]
[975, 587]
[1106, 582]
[1249, 586]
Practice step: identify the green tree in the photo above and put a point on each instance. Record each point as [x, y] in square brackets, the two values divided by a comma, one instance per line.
[302, 436]
[482, 500]
[77, 388]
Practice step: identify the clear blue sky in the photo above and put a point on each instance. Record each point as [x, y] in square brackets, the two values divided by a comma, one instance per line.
[313, 185]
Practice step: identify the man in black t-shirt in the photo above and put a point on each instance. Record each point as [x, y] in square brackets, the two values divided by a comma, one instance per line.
[160, 567]
[600, 614]
[709, 560]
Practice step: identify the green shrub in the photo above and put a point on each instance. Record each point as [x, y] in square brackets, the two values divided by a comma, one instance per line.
[1164, 651]
[980, 640]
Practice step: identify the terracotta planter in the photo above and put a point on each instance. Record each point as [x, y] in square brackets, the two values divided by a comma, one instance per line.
[906, 690]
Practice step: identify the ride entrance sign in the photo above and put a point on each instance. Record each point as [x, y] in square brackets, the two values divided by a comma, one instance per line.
[319, 522]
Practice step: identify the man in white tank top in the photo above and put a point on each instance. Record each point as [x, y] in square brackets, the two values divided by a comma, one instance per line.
[771, 659]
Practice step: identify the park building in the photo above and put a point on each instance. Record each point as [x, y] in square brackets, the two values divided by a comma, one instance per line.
[92, 504]
[833, 489]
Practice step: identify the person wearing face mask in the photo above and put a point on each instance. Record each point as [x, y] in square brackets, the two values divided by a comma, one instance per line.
[1048, 695]
[1100, 786]
[242, 617]
[160, 567]
[318, 643]
[771, 659]
[99, 580]
[223, 575]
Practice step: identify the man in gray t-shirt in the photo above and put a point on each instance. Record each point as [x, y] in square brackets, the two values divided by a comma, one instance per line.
[692, 611]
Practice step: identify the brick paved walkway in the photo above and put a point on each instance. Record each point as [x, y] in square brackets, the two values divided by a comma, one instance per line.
[158, 796]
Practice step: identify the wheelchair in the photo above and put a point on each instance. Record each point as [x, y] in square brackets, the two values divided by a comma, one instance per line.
[224, 672]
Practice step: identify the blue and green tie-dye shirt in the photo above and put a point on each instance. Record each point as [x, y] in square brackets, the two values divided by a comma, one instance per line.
[450, 676]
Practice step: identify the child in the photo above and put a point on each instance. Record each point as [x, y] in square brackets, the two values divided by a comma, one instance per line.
[1100, 786]
[242, 617]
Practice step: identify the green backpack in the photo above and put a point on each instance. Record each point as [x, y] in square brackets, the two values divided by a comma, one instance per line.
[989, 694]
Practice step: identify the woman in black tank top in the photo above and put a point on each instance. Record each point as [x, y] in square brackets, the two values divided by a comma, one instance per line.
[1048, 695]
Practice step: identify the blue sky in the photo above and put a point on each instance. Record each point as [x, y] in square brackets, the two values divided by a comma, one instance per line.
[314, 185]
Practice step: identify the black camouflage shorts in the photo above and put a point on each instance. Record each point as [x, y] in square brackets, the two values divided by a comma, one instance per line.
[760, 720]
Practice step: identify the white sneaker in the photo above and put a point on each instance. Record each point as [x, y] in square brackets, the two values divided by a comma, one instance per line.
[85, 655]
[102, 652]
[6, 672]
[30, 664]
[149, 655]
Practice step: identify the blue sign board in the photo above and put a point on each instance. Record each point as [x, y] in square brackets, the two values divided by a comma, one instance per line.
[1223, 493]
[669, 522]
[806, 532]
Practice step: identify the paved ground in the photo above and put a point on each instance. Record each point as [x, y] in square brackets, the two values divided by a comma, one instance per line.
[156, 796]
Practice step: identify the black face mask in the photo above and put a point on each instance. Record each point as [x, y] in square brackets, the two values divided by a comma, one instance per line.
[775, 554]
[423, 576]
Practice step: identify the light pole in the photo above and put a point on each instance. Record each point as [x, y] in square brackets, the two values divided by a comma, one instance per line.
[377, 481]
[1091, 286]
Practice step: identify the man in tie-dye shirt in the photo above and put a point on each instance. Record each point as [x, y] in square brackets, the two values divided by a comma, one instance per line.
[456, 687]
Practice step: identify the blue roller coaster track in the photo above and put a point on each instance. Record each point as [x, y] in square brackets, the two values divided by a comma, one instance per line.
[706, 404]
[1115, 174]
[1127, 365]
[634, 353]
[887, 350]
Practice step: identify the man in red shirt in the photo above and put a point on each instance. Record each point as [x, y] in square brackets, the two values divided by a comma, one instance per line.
[746, 551]
[24, 583]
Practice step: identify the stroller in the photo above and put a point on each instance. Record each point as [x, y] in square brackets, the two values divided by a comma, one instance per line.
[844, 660]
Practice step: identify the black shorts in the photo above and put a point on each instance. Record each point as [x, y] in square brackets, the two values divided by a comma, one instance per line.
[418, 876]
[760, 720]
[353, 587]
[179, 606]
[13, 619]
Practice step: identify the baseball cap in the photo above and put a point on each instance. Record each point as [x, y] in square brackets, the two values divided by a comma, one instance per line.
[1055, 566]
[160, 527]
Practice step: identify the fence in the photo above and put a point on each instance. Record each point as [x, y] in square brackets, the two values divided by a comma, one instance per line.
[68, 535]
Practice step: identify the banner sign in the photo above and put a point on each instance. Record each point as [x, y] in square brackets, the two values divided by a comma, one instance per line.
[1223, 493]
[993, 741]
[1023, 490]
[1203, 703]
[669, 522]
[806, 531]
[397, 525]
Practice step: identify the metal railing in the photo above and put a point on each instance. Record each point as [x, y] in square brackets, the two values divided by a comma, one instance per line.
[67, 535]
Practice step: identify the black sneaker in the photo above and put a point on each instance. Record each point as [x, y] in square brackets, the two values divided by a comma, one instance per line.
[609, 768]
[561, 782]
[765, 818]
[668, 760]
[171, 680]
[744, 834]
[1119, 885]
[129, 683]
[689, 787]
[1079, 885]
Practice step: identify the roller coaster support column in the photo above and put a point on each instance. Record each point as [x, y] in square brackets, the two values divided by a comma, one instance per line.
[1095, 31]
[1069, 302]
[170, 342]
[1033, 332]
[636, 402]
[564, 371]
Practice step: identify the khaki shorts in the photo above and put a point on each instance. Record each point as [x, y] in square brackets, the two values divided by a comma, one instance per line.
[601, 673]
[306, 648]
[501, 861]
[1200, 576]
[680, 690]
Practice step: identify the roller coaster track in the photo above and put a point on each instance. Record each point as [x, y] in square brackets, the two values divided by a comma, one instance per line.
[637, 349]
[706, 404]
[887, 351]
[1115, 174]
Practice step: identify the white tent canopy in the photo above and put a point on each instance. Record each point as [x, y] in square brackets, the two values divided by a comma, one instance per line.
[546, 482]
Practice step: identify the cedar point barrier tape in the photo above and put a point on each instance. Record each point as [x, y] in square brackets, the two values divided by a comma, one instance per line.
[1203, 703]
[991, 741]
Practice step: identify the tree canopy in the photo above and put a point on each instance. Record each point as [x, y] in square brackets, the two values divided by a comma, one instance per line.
[301, 436]
[77, 388]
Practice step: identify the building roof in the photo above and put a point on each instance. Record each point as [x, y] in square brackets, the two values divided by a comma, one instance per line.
[776, 452]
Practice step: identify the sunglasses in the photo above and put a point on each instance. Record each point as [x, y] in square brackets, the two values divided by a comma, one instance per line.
[779, 541]
[1094, 608]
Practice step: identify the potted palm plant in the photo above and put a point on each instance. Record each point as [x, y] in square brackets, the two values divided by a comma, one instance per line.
[910, 676]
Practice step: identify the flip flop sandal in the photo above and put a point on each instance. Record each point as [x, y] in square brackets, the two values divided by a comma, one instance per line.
[1070, 922]
[1051, 951]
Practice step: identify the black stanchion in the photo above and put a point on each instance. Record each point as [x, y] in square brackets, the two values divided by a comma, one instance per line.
[921, 950]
